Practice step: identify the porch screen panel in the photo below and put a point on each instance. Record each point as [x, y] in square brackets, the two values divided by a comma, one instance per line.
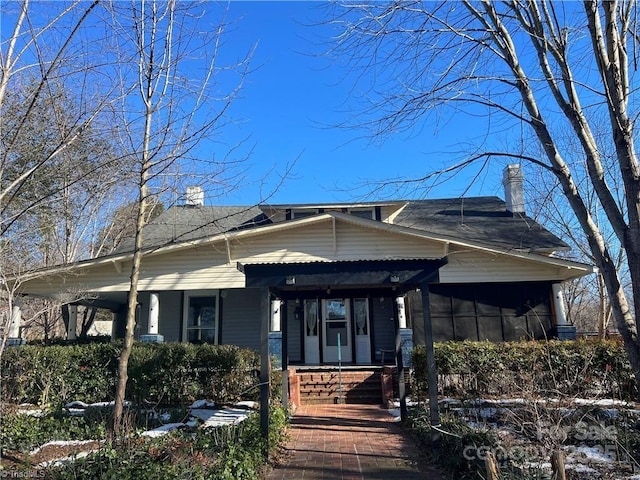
[515, 327]
[490, 311]
[490, 328]
[466, 328]
[441, 316]
[490, 321]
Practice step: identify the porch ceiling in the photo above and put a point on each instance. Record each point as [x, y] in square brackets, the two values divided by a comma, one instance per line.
[398, 275]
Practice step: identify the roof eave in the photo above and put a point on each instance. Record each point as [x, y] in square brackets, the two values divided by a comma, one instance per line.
[295, 223]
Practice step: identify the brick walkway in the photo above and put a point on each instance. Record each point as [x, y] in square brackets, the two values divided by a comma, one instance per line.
[350, 442]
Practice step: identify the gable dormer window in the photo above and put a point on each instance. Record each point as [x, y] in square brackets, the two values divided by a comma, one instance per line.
[362, 213]
[296, 214]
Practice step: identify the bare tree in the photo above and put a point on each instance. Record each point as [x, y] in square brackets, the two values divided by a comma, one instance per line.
[169, 106]
[534, 69]
[49, 116]
[588, 306]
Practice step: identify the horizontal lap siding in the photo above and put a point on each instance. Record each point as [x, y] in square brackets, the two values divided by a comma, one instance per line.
[203, 268]
[208, 266]
[240, 314]
[316, 243]
[478, 267]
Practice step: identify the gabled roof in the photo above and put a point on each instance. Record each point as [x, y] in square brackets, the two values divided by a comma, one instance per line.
[185, 223]
[478, 220]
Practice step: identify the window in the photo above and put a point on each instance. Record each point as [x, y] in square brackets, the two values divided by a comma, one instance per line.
[362, 213]
[303, 213]
[201, 317]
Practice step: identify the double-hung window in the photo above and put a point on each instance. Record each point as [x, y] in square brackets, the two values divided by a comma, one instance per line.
[201, 311]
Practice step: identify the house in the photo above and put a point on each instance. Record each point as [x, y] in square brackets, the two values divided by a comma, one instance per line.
[335, 283]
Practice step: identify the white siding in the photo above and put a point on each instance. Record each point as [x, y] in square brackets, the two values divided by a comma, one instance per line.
[316, 243]
[389, 210]
[480, 267]
[194, 269]
[208, 266]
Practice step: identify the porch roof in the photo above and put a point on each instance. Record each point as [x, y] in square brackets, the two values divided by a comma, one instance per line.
[289, 278]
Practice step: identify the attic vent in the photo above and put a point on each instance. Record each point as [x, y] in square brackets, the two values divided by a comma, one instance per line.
[195, 196]
[512, 180]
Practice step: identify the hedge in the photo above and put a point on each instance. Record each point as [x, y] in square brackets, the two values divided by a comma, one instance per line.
[559, 369]
[166, 374]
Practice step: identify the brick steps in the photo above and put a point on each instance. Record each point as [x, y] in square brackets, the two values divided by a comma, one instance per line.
[323, 387]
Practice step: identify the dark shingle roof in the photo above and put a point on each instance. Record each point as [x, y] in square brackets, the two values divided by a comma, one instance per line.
[477, 220]
[483, 220]
[186, 222]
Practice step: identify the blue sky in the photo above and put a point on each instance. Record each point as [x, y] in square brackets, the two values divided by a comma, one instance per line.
[293, 97]
[288, 108]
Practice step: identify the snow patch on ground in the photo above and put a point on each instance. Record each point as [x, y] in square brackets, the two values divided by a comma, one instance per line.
[78, 408]
[162, 430]
[579, 468]
[62, 461]
[395, 413]
[30, 410]
[203, 414]
[61, 443]
[603, 402]
[202, 404]
[583, 454]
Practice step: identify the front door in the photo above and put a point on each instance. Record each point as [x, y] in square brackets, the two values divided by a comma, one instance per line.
[311, 332]
[336, 322]
[362, 330]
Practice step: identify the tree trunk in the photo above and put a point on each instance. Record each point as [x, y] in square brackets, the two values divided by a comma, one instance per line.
[123, 360]
[88, 319]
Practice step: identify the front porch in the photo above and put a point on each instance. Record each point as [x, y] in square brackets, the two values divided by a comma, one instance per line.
[331, 289]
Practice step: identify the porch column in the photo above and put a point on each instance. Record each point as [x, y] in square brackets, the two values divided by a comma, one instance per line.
[14, 326]
[398, 322]
[405, 346]
[276, 315]
[285, 354]
[432, 373]
[562, 329]
[152, 335]
[72, 326]
[275, 333]
[558, 303]
[265, 317]
[402, 317]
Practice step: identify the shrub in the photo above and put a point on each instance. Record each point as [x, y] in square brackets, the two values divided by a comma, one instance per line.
[553, 368]
[23, 433]
[167, 374]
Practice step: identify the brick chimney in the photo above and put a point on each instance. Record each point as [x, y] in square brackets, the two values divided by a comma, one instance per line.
[195, 196]
[512, 181]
